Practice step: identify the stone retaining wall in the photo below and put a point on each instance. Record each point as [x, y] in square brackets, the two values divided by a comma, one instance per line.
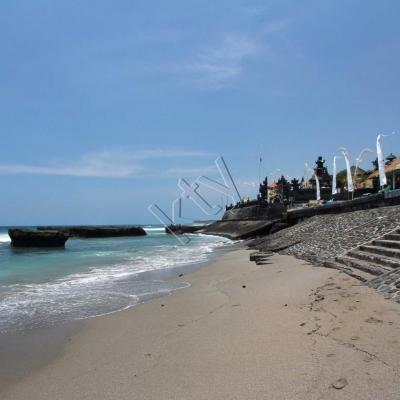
[324, 237]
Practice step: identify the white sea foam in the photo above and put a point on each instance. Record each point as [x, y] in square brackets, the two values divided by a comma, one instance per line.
[98, 290]
[4, 238]
[160, 230]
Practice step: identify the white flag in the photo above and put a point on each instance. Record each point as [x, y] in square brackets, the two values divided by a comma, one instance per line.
[318, 188]
[334, 189]
[381, 162]
[350, 187]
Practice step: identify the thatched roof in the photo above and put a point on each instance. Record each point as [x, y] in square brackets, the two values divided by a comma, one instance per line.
[393, 166]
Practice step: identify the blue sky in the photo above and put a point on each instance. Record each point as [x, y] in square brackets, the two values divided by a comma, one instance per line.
[105, 104]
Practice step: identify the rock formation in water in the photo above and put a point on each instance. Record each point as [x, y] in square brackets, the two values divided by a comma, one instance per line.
[34, 238]
[96, 231]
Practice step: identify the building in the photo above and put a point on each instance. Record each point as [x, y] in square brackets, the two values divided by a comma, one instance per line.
[392, 171]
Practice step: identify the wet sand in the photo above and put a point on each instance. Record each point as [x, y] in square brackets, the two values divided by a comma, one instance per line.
[285, 330]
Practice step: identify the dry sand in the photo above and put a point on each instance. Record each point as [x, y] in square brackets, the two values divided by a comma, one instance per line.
[285, 330]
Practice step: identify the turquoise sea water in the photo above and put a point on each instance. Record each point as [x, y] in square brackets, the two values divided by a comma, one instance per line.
[40, 287]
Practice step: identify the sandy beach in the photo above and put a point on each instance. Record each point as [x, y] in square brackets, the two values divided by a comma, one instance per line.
[285, 330]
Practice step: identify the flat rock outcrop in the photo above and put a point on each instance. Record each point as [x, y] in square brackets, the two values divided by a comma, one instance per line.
[34, 238]
[239, 229]
[96, 231]
[181, 229]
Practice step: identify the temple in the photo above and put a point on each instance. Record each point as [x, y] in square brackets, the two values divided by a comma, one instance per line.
[321, 171]
[297, 193]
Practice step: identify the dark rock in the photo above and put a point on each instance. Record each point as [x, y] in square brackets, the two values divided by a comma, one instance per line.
[181, 229]
[33, 238]
[239, 229]
[97, 231]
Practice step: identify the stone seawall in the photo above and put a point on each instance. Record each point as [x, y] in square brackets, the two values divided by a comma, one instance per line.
[324, 237]
[362, 244]
[362, 203]
[255, 212]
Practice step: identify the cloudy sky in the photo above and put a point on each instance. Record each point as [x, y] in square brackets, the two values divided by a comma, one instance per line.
[105, 104]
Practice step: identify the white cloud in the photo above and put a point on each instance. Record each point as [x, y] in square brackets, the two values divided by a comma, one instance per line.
[80, 169]
[278, 25]
[111, 163]
[216, 66]
[221, 64]
[251, 183]
[191, 171]
[169, 153]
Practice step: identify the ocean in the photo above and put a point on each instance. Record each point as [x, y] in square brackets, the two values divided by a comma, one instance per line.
[90, 277]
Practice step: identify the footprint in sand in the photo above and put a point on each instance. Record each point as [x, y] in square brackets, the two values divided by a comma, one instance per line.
[340, 383]
[372, 320]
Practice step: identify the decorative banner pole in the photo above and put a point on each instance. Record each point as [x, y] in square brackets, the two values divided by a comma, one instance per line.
[308, 169]
[359, 160]
[345, 153]
[381, 161]
[334, 188]
[318, 187]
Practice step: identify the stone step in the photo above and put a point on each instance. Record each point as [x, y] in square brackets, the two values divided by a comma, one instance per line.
[378, 259]
[355, 273]
[386, 279]
[393, 244]
[392, 236]
[362, 265]
[384, 251]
